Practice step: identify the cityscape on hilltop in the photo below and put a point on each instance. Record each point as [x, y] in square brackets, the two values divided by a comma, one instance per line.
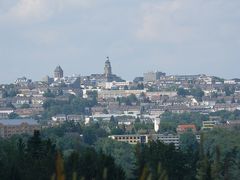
[145, 98]
[164, 104]
[104, 111]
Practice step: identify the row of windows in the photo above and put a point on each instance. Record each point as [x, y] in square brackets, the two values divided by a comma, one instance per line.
[129, 141]
[130, 137]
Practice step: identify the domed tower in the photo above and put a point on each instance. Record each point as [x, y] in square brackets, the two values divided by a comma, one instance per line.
[107, 68]
[58, 73]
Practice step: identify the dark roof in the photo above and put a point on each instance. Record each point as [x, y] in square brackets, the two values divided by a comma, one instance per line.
[58, 68]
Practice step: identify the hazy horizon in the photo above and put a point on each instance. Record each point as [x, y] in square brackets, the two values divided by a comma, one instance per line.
[173, 36]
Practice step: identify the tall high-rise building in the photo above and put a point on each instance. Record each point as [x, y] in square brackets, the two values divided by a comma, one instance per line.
[107, 68]
[58, 73]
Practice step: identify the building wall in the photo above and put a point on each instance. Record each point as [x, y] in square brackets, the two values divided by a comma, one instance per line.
[7, 131]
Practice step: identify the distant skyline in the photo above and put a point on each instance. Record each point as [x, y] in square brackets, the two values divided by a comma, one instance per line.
[173, 36]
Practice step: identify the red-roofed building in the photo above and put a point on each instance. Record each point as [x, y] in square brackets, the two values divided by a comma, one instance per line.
[186, 127]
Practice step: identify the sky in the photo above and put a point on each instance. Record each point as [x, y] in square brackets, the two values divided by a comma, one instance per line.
[173, 36]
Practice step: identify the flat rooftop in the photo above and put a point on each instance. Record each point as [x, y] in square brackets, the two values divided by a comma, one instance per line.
[18, 121]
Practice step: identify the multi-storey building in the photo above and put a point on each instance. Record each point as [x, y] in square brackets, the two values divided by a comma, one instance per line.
[131, 139]
[137, 138]
[167, 139]
[152, 76]
[164, 138]
[10, 127]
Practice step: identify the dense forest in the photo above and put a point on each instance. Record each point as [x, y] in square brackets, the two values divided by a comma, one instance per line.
[62, 153]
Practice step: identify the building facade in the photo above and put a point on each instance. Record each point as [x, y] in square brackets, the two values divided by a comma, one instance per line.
[10, 127]
[152, 76]
[131, 139]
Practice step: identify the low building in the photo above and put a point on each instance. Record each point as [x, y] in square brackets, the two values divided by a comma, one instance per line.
[4, 112]
[136, 138]
[59, 118]
[10, 127]
[117, 85]
[208, 125]
[168, 139]
[28, 112]
[75, 117]
[186, 127]
[105, 94]
[131, 139]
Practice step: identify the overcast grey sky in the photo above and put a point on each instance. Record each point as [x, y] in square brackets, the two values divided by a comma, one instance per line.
[174, 36]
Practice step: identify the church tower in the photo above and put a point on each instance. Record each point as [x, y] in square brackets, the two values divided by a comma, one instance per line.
[58, 73]
[107, 69]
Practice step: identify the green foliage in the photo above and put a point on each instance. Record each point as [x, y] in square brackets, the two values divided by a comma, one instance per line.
[13, 115]
[92, 165]
[25, 106]
[140, 86]
[182, 92]
[219, 157]
[74, 105]
[129, 100]
[92, 95]
[49, 94]
[62, 152]
[229, 90]
[37, 158]
[221, 101]
[123, 154]
[62, 133]
[189, 147]
[170, 121]
[139, 126]
[117, 131]
[195, 92]
[92, 133]
[188, 143]
[10, 105]
[34, 159]
[227, 115]
[157, 160]
[9, 91]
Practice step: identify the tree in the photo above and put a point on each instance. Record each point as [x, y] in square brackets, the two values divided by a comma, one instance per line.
[140, 86]
[216, 166]
[189, 147]
[204, 167]
[156, 159]
[122, 153]
[182, 92]
[112, 120]
[13, 115]
[105, 111]
[197, 93]
[89, 135]
[25, 106]
[229, 90]
[188, 142]
[49, 94]
[90, 164]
